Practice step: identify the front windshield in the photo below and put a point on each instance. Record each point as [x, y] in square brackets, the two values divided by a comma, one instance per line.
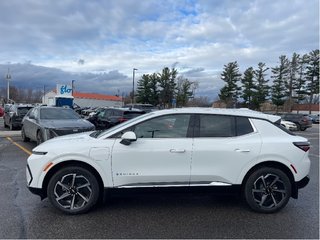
[97, 134]
[58, 113]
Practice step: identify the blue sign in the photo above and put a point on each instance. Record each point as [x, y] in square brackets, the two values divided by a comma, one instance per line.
[63, 89]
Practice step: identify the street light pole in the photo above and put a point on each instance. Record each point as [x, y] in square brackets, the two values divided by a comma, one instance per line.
[8, 77]
[72, 85]
[133, 72]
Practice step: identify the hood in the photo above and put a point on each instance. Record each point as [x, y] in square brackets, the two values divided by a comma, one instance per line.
[66, 123]
[79, 139]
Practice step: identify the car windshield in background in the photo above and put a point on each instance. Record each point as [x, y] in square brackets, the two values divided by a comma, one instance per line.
[132, 114]
[23, 110]
[57, 113]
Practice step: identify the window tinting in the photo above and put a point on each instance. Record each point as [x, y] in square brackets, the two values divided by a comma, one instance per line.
[171, 126]
[217, 126]
[243, 126]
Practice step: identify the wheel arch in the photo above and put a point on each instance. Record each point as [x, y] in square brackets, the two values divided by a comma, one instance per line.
[273, 164]
[64, 164]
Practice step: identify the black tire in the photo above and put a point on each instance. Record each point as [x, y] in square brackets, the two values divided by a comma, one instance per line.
[11, 127]
[299, 127]
[23, 136]
[303, 128]
[4, 123]
[267, 190]
[73, 190]
[39, 137]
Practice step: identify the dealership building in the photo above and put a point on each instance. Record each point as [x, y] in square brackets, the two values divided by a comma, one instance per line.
[80, 98]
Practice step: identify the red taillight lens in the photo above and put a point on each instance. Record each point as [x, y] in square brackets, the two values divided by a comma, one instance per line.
[122, 120]
[305, 146]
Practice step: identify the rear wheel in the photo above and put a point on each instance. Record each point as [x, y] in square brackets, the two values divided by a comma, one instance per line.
[267, 190]
[73, 190]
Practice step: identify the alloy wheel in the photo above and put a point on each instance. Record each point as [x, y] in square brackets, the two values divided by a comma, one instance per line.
[269, 191]
[73, 191]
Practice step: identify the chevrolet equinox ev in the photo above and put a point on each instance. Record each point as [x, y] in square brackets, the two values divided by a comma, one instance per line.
[188, 147]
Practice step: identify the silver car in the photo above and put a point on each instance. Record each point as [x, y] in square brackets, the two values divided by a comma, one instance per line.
[43, 123]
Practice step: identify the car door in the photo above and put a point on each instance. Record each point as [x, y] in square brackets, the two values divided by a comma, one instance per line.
[160, 156]
[30, 124]
[223, 145]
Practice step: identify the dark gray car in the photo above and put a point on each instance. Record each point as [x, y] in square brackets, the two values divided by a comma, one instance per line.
[43, 123]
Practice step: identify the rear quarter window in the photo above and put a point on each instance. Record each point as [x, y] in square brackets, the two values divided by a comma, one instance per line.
[243, 126]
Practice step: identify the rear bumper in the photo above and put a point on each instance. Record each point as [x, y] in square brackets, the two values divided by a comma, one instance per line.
[303, 182]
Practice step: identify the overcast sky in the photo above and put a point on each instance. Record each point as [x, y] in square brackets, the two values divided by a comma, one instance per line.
[99, 42]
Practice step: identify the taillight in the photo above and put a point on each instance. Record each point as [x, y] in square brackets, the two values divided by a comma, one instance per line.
[305, 146]
[122, 120]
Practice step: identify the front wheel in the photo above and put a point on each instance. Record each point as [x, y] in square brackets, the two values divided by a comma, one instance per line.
[39, 137]
[23, 135]
[267, 190]
[73, 190]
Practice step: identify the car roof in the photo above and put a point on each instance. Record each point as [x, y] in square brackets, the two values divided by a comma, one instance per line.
[244, 112]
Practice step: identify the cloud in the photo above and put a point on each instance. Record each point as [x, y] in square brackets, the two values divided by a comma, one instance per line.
[100, 42]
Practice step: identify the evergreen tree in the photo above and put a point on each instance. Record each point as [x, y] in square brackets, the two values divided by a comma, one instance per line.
[280, 75]
[293, 75]
[262, 88]
[313, 76]
[184, 91]
[230, 92]
[248, 87]
[167, 86]
[299, 85]
[147, 89]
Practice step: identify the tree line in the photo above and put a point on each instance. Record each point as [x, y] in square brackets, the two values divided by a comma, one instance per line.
[295, 80]
[165, 89]
[22, 95]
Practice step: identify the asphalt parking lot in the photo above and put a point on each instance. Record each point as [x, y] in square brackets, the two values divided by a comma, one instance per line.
[174, 215]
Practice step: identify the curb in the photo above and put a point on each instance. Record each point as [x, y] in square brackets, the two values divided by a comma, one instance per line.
[10, 133]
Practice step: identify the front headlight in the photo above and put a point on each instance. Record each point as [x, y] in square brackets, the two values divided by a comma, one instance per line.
[49, 133]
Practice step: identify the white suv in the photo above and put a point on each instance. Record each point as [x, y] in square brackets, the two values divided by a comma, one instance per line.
[191, 147]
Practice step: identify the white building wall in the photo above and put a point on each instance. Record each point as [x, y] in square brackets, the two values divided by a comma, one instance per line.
[83, 102]
[49, 99]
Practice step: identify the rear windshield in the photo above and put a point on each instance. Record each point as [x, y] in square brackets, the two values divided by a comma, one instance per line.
[278, 124]
[58, 113]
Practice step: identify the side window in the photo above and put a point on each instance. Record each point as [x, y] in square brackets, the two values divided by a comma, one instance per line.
[243, 126]
[217, 126]
[102, 114]
[33, 113]
[171, 126]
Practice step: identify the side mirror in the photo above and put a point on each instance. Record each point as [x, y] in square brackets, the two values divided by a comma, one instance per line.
[128, 138]
[32, 117]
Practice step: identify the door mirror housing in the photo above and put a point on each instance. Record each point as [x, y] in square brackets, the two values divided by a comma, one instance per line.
[128, 138]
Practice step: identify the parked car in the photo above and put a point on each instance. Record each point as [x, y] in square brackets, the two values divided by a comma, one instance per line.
[240, 150]
[1, 111]
[289, 125]
[14, 114]
[43, 123]
[302, 121]
[314, 118]
[144, 107]
[109, 117]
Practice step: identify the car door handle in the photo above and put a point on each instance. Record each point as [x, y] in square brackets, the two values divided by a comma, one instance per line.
[242, 150]
[177, 150]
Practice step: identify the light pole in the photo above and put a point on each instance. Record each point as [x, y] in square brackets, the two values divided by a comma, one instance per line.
[133, 72]
[72, 85]
[8, 77]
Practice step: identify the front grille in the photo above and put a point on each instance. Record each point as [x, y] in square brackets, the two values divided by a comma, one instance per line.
[61, 132]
